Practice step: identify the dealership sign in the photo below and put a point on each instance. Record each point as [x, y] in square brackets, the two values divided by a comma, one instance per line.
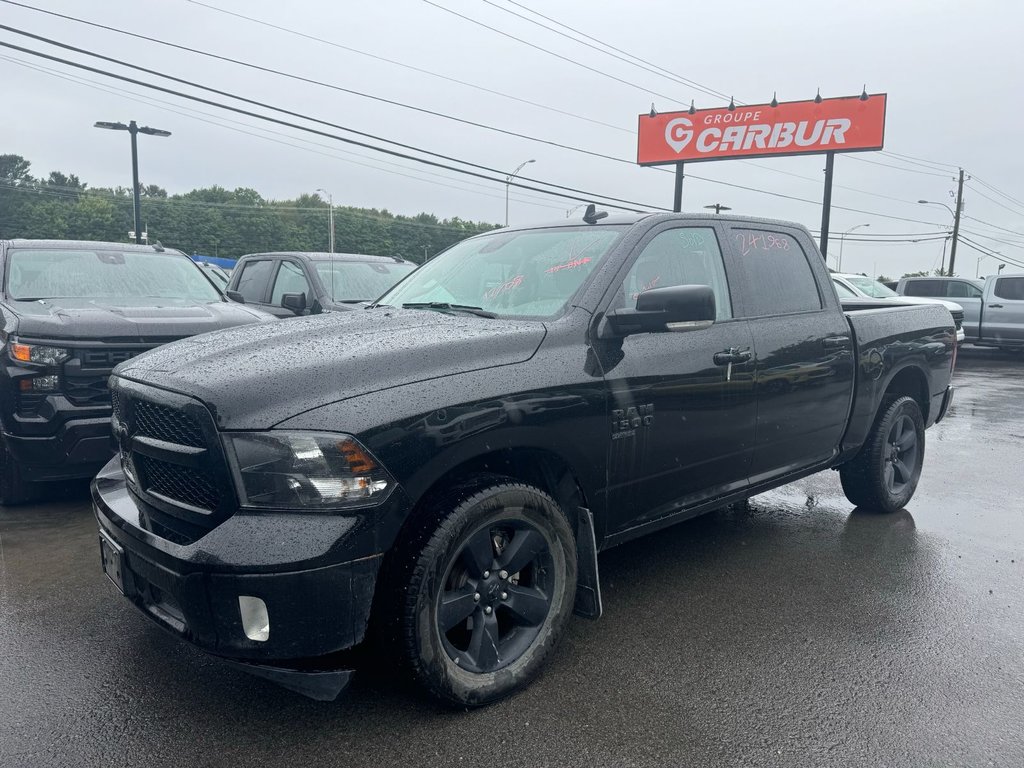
[848, 124]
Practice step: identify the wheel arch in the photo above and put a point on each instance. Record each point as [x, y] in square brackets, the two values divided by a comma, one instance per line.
[910, 380]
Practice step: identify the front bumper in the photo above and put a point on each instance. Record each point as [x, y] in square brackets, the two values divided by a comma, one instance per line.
[79, 448]
[309, 571]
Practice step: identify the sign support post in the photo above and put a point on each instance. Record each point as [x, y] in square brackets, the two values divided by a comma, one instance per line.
[826, 204]
[677, 204]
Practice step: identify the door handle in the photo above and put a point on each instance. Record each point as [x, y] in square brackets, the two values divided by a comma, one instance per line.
[835, 342]
[995, 306]
[731, 356]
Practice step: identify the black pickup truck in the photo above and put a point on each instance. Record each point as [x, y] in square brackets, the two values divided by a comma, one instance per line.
[441, 468]
[71, 311]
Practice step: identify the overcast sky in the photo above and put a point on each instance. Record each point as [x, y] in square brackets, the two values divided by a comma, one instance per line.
[953, 71]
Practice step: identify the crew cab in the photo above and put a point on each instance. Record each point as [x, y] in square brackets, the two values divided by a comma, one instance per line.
[293, 283]
[440, 469]
[72, 310]
[993, 309]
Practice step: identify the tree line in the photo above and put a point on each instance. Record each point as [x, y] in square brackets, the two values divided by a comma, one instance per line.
[212, 221]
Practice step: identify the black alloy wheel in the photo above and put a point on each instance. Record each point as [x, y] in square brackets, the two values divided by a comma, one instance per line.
[483, 596]
[497, 594]
[883, 476]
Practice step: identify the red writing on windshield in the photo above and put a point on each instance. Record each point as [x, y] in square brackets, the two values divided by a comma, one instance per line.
[508, 285]
[647, 286]
[571, 265]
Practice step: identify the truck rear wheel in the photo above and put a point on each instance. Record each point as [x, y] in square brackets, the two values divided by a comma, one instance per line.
[884, 475]
[13, 488]
[489, 594]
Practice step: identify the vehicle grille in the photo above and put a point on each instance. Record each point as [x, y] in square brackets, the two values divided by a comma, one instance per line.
[178, 483]
[162, 423]
[173, 462]
[87, 390]
[86, 373]
[958, 319]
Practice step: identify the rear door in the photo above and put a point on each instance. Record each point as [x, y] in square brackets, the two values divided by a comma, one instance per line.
[964, 293]
[803, 348]
[1003, 320]
[681, 415]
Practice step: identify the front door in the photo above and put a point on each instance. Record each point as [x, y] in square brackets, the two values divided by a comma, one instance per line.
[681, 404]
[1004, 312]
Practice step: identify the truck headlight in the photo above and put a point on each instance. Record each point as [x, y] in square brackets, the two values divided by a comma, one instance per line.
[305, 470]
[37, 353]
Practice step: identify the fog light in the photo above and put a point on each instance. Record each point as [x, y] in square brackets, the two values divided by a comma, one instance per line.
[255, 620]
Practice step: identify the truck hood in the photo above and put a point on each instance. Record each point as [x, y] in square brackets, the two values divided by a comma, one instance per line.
[256, 377]
[127, 320]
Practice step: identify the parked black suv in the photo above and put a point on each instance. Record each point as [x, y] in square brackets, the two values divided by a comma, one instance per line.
[72, 310]
[292, 283]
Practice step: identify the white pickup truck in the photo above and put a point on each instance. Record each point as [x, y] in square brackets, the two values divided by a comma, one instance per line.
[993, 308]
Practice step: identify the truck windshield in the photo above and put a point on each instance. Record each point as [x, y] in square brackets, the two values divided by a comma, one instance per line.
[872, 288]
[105, 274]
[360, 280]
[529, 273]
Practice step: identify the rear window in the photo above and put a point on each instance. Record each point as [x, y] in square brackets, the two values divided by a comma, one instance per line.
[924, 288]
[780, 278]
[1011, 288]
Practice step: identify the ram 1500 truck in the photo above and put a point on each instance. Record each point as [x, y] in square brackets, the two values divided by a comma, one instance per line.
[72, 311]
[442, 467]
[993, 309]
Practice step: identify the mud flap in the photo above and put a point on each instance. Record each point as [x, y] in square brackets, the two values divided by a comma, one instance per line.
[588, 585]
[321, 686]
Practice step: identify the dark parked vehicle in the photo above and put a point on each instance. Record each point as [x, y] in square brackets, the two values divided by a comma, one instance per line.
[292, 283]
[443, 467]
[71, 312]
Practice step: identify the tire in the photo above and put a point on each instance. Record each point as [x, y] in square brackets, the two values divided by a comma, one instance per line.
[489, 593]
[884, 475]
[13, 488]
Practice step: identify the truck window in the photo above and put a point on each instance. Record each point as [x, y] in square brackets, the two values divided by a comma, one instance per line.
[779, 276]
[252, 283]
[290, 279]
[924, 288]
[958, 289]
[1010, 288]
[685, 256]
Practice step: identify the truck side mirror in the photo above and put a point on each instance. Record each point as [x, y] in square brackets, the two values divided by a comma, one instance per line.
[675, 308]
[235, 296]
[296, 302]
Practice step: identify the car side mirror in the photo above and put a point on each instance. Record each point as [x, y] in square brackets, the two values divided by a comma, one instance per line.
[235, 296]
[296, 302]
[675, 308]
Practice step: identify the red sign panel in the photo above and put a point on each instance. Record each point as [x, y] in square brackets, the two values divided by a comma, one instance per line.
[846, 124]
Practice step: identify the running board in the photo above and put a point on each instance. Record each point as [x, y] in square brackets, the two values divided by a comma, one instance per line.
[588, 584]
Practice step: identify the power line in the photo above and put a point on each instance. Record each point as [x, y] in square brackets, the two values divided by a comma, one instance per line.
[657, 71]
[993, 200]
[997, 191]
[590, 196]
[464, 185]
[988, 252]
[552, 53]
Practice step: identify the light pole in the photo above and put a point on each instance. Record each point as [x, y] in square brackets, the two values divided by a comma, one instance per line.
[842, 242]
[330, 215]
[134, 130]
[954, 235]
[718, 208]
[977, 264]
[508, 181]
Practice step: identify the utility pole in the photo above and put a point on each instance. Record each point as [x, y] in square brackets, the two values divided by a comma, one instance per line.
[134, 129]
[956, 220]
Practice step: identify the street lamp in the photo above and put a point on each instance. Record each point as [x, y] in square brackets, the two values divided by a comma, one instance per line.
[842, 242]
[330, 215]
[508, 181]
[134, 130]
[718, 208]
[977, 264]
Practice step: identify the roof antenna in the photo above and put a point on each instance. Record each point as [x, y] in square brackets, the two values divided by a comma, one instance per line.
[592, 215]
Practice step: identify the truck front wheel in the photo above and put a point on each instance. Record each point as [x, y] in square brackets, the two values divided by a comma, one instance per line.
[884, 475]
[489, 595]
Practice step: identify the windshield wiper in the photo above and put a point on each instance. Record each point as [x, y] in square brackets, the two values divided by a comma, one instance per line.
[354, 301]
[443, 305]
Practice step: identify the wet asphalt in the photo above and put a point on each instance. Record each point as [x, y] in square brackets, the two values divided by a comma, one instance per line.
[792, 632]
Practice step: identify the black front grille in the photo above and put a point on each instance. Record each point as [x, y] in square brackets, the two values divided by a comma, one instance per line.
[87, 390]
[173, 461]
[178, 483]
[167, 424]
